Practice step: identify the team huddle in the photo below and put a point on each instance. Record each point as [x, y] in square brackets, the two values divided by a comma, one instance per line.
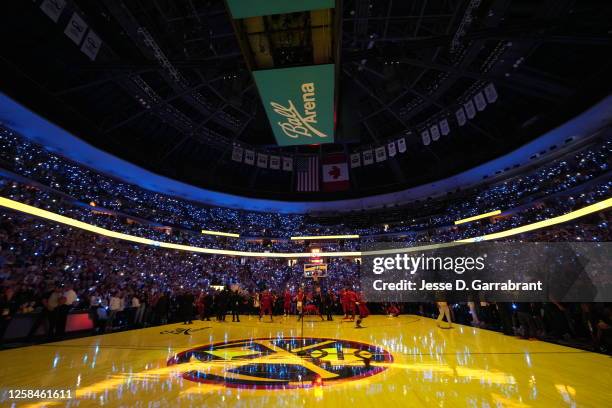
[317, 303]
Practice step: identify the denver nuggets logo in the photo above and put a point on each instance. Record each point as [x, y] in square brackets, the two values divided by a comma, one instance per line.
[293, 362]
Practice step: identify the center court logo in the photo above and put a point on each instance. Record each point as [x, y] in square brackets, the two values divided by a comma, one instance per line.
[293, 362]
[296, 124]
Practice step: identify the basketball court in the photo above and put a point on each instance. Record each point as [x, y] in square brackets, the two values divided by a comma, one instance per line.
[405, 361]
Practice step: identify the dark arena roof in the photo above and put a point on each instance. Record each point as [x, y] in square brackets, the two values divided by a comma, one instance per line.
[171, 88]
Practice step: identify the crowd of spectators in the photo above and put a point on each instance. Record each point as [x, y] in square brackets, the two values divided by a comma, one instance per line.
[563, 176]
[50, 269]
[51, 200]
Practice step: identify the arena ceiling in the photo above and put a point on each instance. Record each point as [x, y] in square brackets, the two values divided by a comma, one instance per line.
[171, 88]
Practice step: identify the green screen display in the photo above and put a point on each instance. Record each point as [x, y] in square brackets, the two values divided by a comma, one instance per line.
[299, 103]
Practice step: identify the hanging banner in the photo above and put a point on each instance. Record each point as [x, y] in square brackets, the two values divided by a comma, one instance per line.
[253, 8]
[355, 160]
[391, 148]
[53, 8]
[75, 30]
[401, 145]
[460, 114]
[275, 162]
[287, 164]
[237, 154]
[381, 154]
[444, 128]
[425, 137]
[91, 45]
[470, 110]
[435, 133]
[368, 158]
[299, 103]
[480, 102]
[249, 157]
[262, 160]
[490, 93]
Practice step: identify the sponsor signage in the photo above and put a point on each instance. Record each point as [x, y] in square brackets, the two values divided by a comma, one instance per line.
[252, 8]
[299, 103]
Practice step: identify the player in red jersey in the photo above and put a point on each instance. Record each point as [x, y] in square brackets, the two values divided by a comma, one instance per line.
[266, 304]
[351, 298]
[287, 302]
[344, 303]
[393, 310]
[363, 309]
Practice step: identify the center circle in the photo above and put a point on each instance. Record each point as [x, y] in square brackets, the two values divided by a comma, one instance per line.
[278, 363]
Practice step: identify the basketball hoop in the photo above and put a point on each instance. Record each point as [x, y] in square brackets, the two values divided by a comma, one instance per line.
[315, 271]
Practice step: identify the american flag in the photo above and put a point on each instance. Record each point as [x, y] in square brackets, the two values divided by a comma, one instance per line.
[307, 172]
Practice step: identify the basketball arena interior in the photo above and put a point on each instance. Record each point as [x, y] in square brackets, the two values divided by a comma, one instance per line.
[318, 203]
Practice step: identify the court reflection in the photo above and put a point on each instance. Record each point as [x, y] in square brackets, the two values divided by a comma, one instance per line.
[391, 362]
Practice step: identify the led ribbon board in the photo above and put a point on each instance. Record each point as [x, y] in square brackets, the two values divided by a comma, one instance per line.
[299, 103]
[48, 215]
[220, 233]
[478, 217]
[321, 237]
[252, 8]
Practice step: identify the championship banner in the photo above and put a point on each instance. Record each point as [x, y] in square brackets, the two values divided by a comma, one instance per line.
[461, 119]
[275, 162]
[490, 93]
[237, 153]
[91, 45]
[287, 163]
[262, 160]
[444, 127]
[470, 109]
[75, 30]
[299, 103]
[53, 8]
[479, 101]
[252, 8]
[434, 131]
[368, 157]
[249, 157]
[425, 137]
[391, 148]
[401, 145]
[335, 172]
[380, 153]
